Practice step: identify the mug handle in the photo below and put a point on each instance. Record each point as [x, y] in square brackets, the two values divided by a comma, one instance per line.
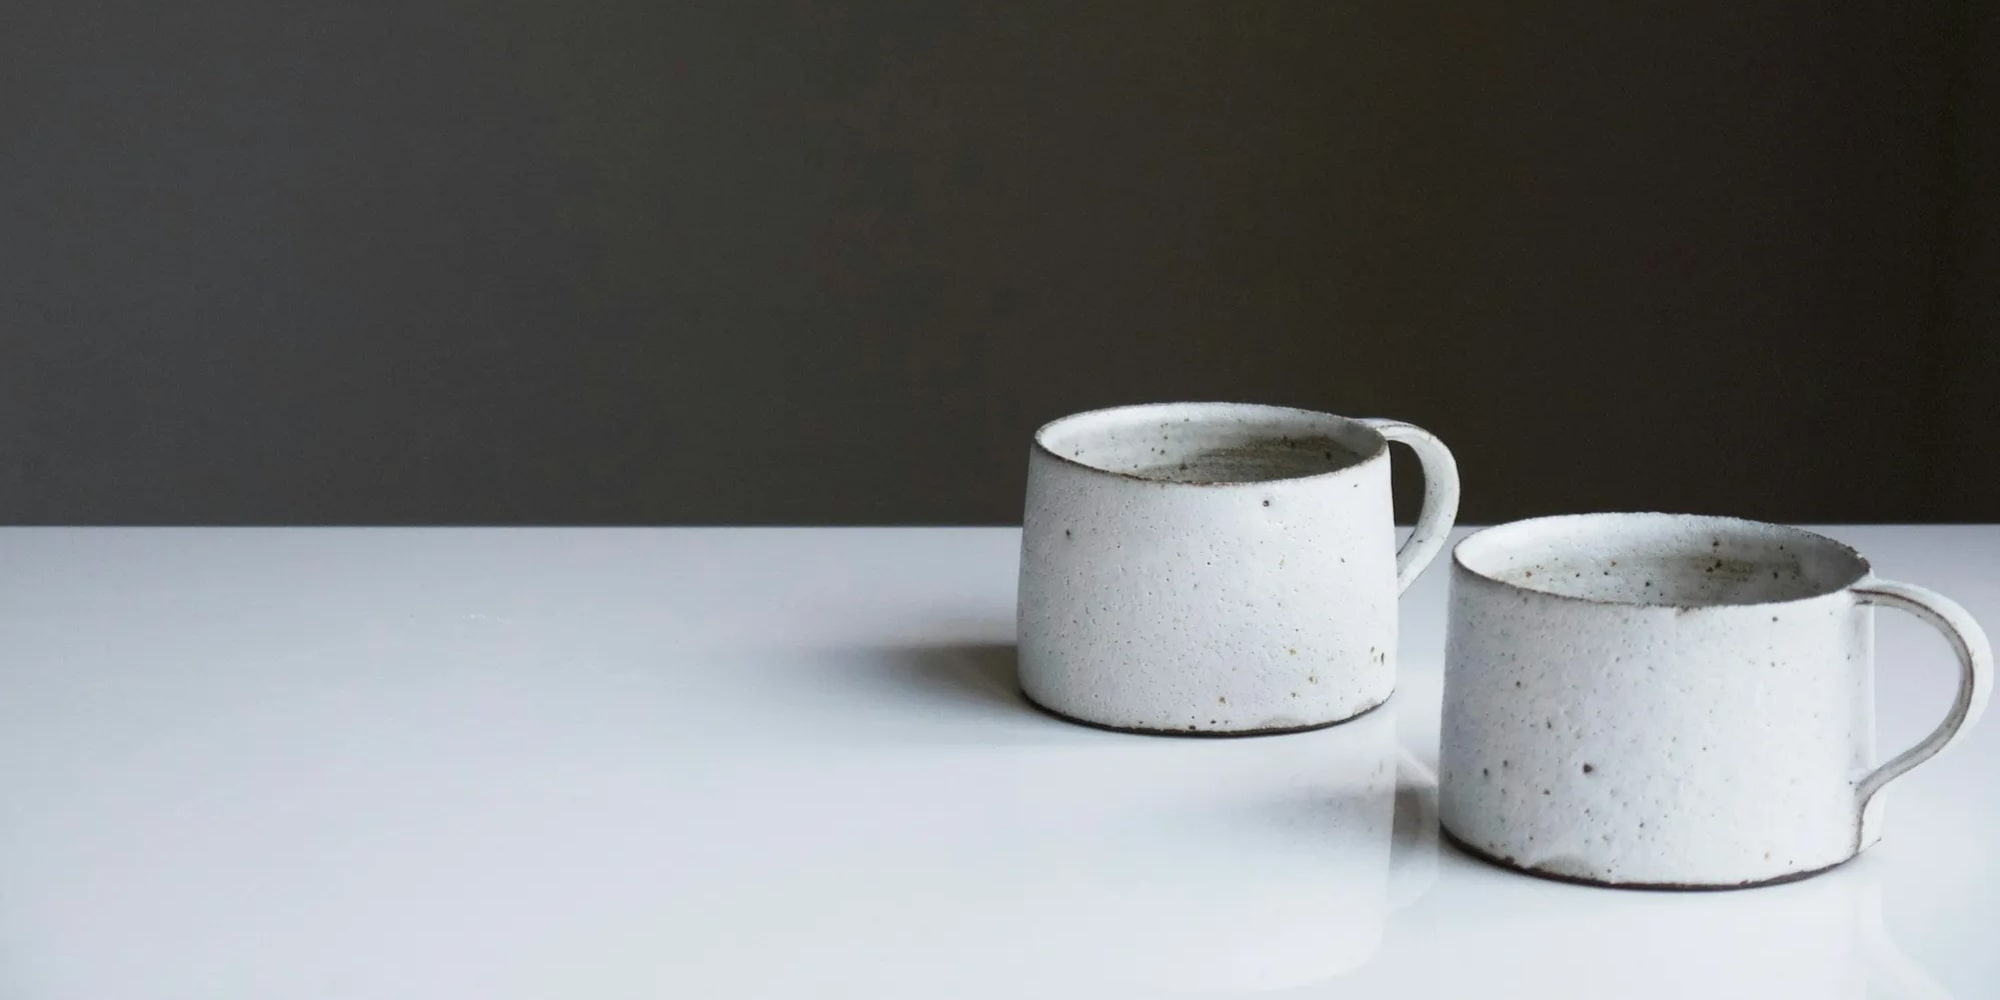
[1440, 509]
[1975, 678]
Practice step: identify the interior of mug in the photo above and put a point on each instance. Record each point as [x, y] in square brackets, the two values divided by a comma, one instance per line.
[1211, 443]
[1681, 560]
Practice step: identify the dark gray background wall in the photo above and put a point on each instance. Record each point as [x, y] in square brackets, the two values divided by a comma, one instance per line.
[610, 261]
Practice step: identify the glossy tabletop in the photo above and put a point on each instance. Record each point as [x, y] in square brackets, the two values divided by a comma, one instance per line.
[582, 763]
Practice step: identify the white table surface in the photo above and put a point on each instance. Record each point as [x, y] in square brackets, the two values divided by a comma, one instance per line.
[441, 763]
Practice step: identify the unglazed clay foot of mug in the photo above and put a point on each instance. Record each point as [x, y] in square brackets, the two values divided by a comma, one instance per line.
[1199, 733]
[1512, 865]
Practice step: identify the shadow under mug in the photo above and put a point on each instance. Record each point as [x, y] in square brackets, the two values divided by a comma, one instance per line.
[1673, 701]
[1219, 569]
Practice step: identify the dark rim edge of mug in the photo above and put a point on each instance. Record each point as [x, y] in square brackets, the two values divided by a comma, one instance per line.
[1458, 561]
[1380, 448]
[1479, 855]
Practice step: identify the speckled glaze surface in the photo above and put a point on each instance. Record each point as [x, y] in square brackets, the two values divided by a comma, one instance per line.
[1673, 701]
[1218, 568]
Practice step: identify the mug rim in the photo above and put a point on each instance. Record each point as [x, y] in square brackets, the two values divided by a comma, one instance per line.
[1379, 445]
[1458, 553]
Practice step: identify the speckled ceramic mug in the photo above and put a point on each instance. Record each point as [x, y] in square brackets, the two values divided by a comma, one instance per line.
[1672, 701]
[1218, 568]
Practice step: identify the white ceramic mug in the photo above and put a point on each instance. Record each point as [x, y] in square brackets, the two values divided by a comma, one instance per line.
[1673, 701]
[1218, 568]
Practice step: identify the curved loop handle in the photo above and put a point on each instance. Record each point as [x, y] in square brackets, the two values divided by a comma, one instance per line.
[1440, 509]
[1975, 679]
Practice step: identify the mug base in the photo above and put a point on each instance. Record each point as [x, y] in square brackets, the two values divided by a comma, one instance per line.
[1200, 733]
[1497, 862]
